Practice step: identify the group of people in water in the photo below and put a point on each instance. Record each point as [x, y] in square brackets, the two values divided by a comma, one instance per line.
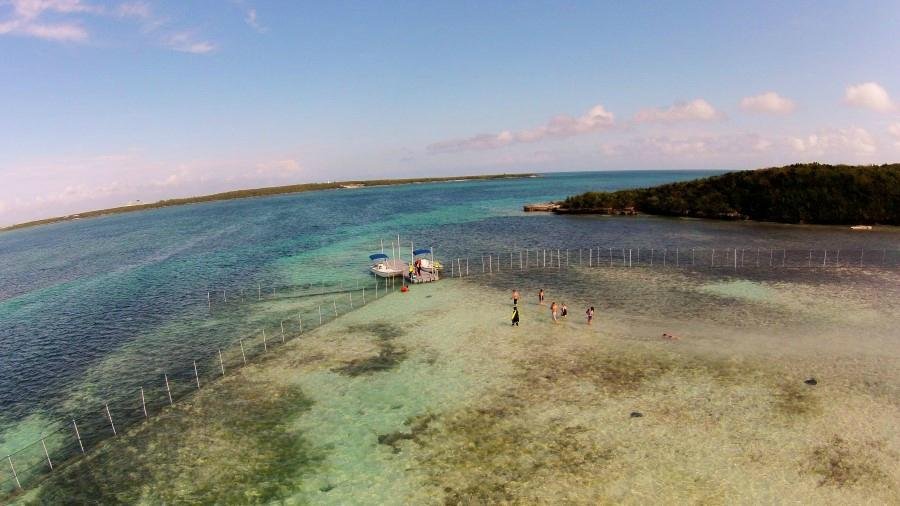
[557, 311]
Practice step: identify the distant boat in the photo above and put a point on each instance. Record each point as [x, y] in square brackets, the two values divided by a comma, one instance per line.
[861, 227]
[384, 267]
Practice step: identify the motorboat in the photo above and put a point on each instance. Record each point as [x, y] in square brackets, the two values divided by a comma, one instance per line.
[427, 263]
[384, 267]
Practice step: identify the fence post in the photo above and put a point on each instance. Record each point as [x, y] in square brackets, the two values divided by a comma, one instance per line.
[692, 257]
[629, 257]
[451, 268]
[196, 375]
[224, 298]
[482, 264]
[301, 323]
[712, 260]
[838, 260]
[590, 256]
[243, 355]
[757, 257]
[47, 454]
[169, 390]
[490, 263]
[783, 256]
[467, 265]
[282, 321]
[259, 291]
[15, 475]
[143, 404]
[677, 254]
[334, 303]
[771, 256]
[208, 301]
[735, 258]
[520, 261]
[111, 424]
[824, 258]
[364, 295]
[665, 256]
[78, 435]
[809, 259]
[265, 345]
[861, 253]
[221, 362]
[320, 314]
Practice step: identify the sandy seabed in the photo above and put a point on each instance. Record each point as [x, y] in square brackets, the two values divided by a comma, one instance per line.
[432, 397]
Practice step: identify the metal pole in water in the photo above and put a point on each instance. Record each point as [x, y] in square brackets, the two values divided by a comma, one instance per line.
[221, 362]
[282, 322]
[259, 291]
[590, 257]
[783, 256]
[757, 257]
[712, 261]
[196, 375]
[567, 258]
[169, 390]
[558, 259]
[676, 257]
[665, 256]
[652, 251]
[46, 454]
[467, 265]
[520, 261]
[771, 256]
[809, 259]
[301, 323]
[111, 424]
[334, 303]
[482, 264]
[265, 345]
[351, 307]
[16, 476]
[629, 257]
[837, 262]
[224, 298]
[824, 258]
[735, 258]
[376, 288]
[364, 295]
[78, 435]
[692, 257]
[861, 253]
[143, 404]
[490, 263]
[208, 302]
[320, 314]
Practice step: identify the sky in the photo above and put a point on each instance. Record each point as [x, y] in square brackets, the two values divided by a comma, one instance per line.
[105, 103]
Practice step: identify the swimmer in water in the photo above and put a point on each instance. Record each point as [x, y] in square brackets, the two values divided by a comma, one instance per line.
[515, 297]
[563, 311]
[541, 296]
[590, 315]
[515, 316]
[553, 312]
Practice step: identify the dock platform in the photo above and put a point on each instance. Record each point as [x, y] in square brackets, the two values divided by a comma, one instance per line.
[425, 277]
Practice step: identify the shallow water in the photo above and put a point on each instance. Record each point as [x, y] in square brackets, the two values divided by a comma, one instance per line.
[122, 300]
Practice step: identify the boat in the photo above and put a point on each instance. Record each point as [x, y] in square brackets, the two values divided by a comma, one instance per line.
[428, 263]
[384, 267]
[861, 227]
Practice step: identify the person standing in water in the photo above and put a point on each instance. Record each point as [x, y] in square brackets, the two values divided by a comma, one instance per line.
[563, 311]
[590, 315]
[541, 296]
[515, 316]
[515, 297]
[553, 309]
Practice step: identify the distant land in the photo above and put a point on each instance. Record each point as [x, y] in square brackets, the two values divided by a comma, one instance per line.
[810, 193]
[260, 192]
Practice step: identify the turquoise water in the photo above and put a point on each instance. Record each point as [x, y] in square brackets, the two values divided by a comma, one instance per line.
[92, 309]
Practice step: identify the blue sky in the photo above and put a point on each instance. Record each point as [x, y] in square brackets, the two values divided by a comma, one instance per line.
[104, 103]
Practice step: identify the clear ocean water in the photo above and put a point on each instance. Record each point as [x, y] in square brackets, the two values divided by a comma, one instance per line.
[93, 308]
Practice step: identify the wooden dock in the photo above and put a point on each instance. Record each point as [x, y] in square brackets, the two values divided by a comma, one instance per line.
[424, 277]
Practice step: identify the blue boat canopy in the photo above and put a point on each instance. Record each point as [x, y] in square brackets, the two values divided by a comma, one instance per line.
[422, 251]
[377, 256]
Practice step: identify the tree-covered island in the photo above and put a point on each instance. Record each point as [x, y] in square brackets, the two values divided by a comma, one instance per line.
[801, 193]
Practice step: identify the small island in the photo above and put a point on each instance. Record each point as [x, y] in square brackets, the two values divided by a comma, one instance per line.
[809, 193]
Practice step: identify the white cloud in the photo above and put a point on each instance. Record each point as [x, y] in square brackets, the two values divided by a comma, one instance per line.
[681, 147]
[186, 43]
[137, 10]
[769, 102]
[852, 141]
[253, 21]
[894, 130]
[695, 110]
[869, 95]
[561, 126]
[25, 19]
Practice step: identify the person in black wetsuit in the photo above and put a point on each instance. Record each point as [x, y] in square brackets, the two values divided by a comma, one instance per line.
[515, 316]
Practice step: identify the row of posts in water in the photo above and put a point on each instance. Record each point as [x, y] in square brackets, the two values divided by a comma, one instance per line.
[557, 258]
[238, 294]
[322, 312]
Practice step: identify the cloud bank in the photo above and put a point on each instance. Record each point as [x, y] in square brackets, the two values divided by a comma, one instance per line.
[870, 96]
[695, 110]
[561, 126]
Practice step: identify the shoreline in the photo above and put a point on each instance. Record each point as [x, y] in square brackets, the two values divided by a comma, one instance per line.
[261, 192]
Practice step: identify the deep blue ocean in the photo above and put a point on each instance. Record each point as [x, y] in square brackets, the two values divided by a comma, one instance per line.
[89, 305]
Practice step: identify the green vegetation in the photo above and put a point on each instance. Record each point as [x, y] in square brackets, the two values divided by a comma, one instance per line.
[801, 193]
[260, 192]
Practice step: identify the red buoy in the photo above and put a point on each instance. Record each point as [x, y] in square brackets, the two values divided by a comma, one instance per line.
[404, 288]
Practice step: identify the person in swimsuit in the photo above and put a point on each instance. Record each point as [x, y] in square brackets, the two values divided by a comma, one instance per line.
[563, 311]
[515, 316]
[515, 297]
[590, 315]
[553, 312]
[541, 296]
